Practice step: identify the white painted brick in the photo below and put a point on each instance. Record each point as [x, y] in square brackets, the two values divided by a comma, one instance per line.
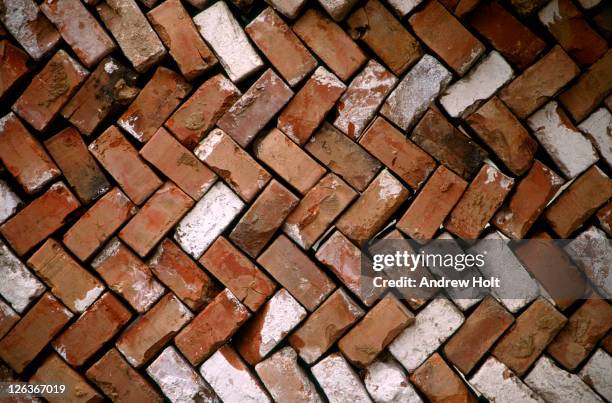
[339, 381]
[588, 4]
[18, 286]
[208, 218]
[387, 382]
[556, 385]
[565, 144]
[499, 384]
[178, 380]
[403, 7]
[482, 81]
[9, 202]
[598, 127]
[432, 326]
[592, 251]
[596, 373]
[338, 9]
[288, 8]
[417, 90]
[229, 42]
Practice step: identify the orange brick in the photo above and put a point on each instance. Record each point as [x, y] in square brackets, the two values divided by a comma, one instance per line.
[439, 383]
[13, 66]
[8, 318]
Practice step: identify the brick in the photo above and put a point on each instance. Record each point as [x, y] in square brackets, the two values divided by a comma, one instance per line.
[211, 328]
[493, 22]
[34, 223]
[49, 90]
[604, 216]
[362, 344]
[202, 110]
[460, 7]
[596, 371]
[224, 370]
[127, 275]
[417, 90]
[108, 89]
[398, 153]
[567, 24]
[533, 330]
[98, 224]
[497, 383]
[8, 318]
[154, 104]
[539, 82]
[527, 7]
[118, 380]
[24, 157]
[223, 33]
[296, 272]
[532, 195]
[67, 279]
[92, 330]
[448, 145]
[289, 8]
[182, 275]
[427, 212]
[115, 153]
[602, 21]
[339, 381]
[274, 149]
[281, 46]
[439, 383]
[433, 326]
[233, 164]
[581, 200]
[590, 89]
[330, 43]
[30, 27]
[78, 166]
[178, 380]
[466, 95]
[338, 10]
[54, 371]
[13, 66]
[583, 330]
[18, 286]
[455, 44]
[176, 30]
[362, 221]
[597, 126]
[317, 210]
[554, 384]
[479, 203]
[497, 127]
[25, 341]
[207, 220]
[387, 382]
[362, 98]
[591, 251]
[267, 213]
[150, 332]
[9, 201]
[384, 34]
[79, 29]
[285, 379]
[132, 31]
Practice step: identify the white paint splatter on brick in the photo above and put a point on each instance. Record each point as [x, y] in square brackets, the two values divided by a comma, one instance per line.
[18, 286]
[339, 381]
[596, 373]
[403, 7]
[499, 384]
[388, 383]
[110, 67]
[82, 304]
[208, 144]
[282, 314]
[591, 250]
[9, 201]
[326, 78]
[598, 127]
[289, 8]
[389, 187]
[550, 13]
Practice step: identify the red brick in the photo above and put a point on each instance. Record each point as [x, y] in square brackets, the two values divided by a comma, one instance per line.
[275, 149]
[92, 330]
[79, 29]
[531, 196]
[108, 89]
[177, 31]
[182, 275]
[24, 157]
[454, 44]
[118, 380]
[397, 152]
[238, 273]
[35, 222]
[384, 34]
[480, 201]
[97, 225]
[212, 327]
[121, 160]
[23, 343]
[296, 272]
[178, 164]
[281, 46]
[604, 215]
[460, 7]
[202, 110]
[127, 275]
[330, 43]
[439, 383]
[49, 90]
[155, 103]
[433, 203]
[13, 66]
[78, 166]
[606, 343]
[150, 332]
[8, 318]
[255, 108]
